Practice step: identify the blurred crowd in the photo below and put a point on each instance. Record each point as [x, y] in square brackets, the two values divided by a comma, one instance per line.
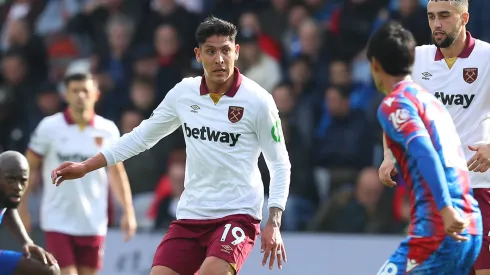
[308, 54]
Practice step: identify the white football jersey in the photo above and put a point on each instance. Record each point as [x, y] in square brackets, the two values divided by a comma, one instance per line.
[465, 91]
[223, 144]
[77, 207]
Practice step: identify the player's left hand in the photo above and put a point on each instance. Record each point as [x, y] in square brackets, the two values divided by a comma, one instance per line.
[480, 161]
[272, 246]
[128, 225]
[39, 253]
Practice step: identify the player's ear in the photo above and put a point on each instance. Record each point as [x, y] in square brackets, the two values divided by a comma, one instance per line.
[465, 17]
[237, 51]
[198, 54]
[375, 66]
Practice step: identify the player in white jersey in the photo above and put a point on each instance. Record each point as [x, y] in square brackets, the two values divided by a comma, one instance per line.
[227, 120]
[457, 70]
[75, 216]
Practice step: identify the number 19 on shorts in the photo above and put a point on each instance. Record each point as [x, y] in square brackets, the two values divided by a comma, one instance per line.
[236, 232]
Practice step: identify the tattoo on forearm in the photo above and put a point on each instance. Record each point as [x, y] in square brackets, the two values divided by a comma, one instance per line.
[275, 215]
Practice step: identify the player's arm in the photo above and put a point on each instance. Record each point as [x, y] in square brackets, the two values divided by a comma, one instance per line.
[162, 122]
[119, 181]
[35, 162]
[403, 125]
[14, 224]
[271, 139]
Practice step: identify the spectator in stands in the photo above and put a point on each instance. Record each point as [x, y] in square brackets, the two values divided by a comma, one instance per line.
[412, 16]
[142, 95]
[171, 59]
[255, 64]
[342, 144]
[250, 23]
[353, 210]
[303, 195]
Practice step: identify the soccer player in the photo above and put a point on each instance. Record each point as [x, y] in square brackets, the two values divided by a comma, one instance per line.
[14, 174]
[456, 70]
[227, 121]
[75, 216]
[445, 232]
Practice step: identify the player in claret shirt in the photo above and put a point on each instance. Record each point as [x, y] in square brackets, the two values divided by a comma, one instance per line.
[227, 121]
[445, 232]
[456, 69]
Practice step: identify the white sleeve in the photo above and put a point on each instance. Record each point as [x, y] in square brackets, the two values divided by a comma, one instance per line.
[271, 140]
[161, 123]
[40, 139]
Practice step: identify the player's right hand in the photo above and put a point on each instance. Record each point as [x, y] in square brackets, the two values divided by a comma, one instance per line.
[68, 171]
[386, 171]
[454, 224]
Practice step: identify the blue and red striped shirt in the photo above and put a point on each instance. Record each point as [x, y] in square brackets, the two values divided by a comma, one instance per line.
[423, 140]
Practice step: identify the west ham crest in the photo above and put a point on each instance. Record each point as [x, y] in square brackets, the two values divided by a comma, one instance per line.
[470, 74]
[99, 141]
[235, 113]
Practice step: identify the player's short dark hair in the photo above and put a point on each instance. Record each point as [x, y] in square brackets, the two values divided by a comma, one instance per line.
[215, 26]
[76, 77]
[393, 47]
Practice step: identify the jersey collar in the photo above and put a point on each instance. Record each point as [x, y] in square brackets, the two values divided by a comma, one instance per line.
[470, 45]
[69, 119]
[237, 81]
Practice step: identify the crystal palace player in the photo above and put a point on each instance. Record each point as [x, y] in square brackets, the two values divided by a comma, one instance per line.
[445, 227]
[227, 120]
[14, 174]
[456, 69]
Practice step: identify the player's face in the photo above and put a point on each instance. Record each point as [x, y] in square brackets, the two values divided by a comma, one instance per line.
[82, 95]
[12, 186]
[376, 72]
[445, 22]
[218, 55]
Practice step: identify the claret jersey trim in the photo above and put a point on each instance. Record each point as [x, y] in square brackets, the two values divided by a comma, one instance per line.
[470, 45]
[237, 81]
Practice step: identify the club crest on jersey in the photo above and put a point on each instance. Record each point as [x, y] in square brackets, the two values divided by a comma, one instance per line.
[470, 74]
[235, 113]
[99, 141]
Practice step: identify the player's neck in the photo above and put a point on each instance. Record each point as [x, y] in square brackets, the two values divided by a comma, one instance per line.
[81, 117]
[457, 47]
[219, 88]
[392, 81]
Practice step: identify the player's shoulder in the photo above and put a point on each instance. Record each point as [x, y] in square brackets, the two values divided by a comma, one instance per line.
[482, 47]
[187, 86]
[104, 123]
[254, 92]
[427, 49]
[54, 120]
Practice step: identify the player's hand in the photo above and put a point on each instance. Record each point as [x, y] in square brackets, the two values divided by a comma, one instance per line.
[128, 225]
[480, 161]
[32, 250]
[386, 171]
[272, 246]
[68, 171]
[454, 224]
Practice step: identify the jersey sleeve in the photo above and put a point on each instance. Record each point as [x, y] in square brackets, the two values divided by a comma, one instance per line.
[400, 120]
[39, 142]
[163, 121]
[271, 140]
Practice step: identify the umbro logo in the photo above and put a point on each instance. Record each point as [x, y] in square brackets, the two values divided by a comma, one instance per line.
[426, 75]
[195, 108]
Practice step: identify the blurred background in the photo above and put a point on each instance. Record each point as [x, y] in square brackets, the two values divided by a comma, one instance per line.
[308, 54]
